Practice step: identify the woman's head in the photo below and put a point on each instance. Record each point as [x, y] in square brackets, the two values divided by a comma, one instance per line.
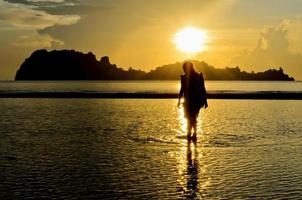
[188, 67]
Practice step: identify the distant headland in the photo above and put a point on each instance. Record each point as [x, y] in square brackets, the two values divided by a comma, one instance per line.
[74, 65]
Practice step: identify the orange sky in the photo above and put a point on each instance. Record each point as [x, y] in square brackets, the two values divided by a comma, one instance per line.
[254, 35]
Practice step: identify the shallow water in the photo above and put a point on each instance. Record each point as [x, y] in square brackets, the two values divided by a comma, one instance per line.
[134, 149]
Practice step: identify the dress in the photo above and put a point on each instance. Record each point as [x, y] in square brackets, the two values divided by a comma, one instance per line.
[194, 94]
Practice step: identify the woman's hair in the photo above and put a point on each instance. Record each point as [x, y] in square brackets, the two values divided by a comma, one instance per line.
[188, 67]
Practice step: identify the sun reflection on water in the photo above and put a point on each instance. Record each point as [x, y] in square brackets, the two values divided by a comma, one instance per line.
[191, 165]
[182, 120]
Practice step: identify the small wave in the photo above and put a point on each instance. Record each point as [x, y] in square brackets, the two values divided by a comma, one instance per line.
[152, 140]
[228, 140]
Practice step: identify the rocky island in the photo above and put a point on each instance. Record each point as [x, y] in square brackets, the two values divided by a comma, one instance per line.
[74, 65]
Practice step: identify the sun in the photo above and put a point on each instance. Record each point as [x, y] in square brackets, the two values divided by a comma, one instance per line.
[191, 40]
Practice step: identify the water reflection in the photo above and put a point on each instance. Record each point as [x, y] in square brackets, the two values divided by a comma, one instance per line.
[192, 171]
[182, 120]
[192, 162]
[193, 174]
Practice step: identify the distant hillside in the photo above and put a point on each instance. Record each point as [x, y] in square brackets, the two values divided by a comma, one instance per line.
[73, 65]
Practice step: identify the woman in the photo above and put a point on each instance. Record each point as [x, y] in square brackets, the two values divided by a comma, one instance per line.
[194, 92]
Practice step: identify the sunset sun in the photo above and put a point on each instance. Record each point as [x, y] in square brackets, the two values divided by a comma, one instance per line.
[191, 40]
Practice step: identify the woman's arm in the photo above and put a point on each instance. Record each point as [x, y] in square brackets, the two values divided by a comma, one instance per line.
[204, 92]
[181, 92]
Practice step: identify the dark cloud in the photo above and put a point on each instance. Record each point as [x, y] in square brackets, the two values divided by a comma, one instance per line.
[66, 6]
[44, 3]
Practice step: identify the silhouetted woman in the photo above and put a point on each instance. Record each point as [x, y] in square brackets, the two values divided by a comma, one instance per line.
[194, 92]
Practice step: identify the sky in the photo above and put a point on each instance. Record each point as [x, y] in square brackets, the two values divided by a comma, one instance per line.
[252, 34]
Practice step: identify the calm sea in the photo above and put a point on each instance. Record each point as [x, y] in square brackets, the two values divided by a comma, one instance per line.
[135, 148]
[144, 86]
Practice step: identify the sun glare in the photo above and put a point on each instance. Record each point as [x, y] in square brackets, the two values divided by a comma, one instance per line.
[191, 40]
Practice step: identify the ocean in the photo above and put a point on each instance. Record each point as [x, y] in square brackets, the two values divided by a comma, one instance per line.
[136, 148]
[146, 86]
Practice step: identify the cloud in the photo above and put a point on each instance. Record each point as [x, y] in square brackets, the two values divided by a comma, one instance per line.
[36, 40]
[294, 33]
[29, 20]
[55, 1]
[42, 2]
[48, 6]
[274, 50]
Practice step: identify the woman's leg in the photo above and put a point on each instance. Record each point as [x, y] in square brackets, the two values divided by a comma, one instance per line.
[187, 110]
[194, 126]
[194, 123]
[189, 127]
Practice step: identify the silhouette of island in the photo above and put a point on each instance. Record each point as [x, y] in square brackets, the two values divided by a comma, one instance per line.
[74, 65]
